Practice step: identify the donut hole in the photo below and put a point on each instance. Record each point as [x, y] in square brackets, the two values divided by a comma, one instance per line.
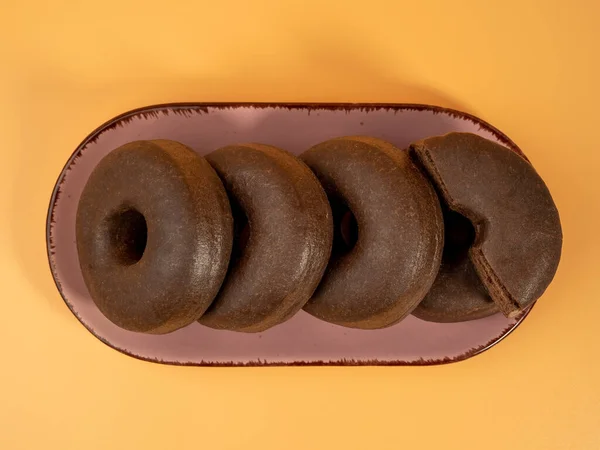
[241, 229]
[349, 229]
[459, 235]
[345, 227]
[128, 235]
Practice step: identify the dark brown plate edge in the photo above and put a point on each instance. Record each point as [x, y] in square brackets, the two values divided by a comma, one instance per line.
[186, 108]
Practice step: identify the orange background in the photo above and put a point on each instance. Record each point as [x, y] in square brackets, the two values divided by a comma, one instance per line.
[528, 67]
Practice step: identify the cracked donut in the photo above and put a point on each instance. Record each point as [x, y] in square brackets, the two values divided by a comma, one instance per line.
[283, 230]
[154, 234]
[388, 233]
[514, 252]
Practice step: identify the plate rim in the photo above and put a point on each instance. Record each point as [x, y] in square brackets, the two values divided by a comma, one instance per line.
[184, 108]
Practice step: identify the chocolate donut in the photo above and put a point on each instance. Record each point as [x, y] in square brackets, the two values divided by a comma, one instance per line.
[283, 237]
[154, 234]
[389, 233]
[517, 233]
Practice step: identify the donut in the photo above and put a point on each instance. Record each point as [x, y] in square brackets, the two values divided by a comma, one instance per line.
[283, 237]
[388, 233]
[517, 239]
[154, 235]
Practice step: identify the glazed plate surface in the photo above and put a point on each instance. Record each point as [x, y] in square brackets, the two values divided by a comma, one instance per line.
[303, 340]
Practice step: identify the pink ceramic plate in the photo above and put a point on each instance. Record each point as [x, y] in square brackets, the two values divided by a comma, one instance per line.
[303, 340]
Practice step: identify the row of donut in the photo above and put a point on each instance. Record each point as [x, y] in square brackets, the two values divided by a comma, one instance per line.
[356, 231]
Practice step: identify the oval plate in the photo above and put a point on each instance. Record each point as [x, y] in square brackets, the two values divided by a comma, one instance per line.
[303, 340]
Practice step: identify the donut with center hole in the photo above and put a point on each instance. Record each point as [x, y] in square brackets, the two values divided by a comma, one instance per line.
[283, 237]
[154, 234]
[388, 233]
[517, 239]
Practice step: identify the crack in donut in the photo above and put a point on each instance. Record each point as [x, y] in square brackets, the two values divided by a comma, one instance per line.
[457, 278]
[518, 239]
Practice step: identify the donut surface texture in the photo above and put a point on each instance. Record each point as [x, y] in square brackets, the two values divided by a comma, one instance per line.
[393, 251]
[154, 235]
[518, 236]
[283, 237]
